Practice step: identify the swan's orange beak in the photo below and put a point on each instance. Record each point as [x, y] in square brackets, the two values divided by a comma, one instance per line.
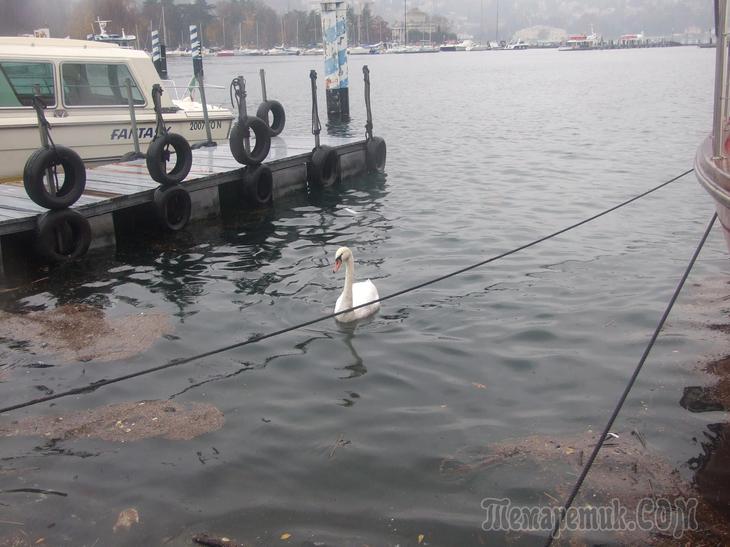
[338, 263]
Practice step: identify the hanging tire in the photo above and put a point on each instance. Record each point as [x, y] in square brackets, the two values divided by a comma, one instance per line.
[62, 235]
[258, 185]
[260, 150]
[277, 114]
[172, 206]
[324, 167]
[158, 155]
[375, 155]
[55, 194]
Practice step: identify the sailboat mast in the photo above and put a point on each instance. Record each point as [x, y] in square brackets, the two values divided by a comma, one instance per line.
[164, 28]
[405, 22]
[496, 29]
[430, 23]
[481, 23]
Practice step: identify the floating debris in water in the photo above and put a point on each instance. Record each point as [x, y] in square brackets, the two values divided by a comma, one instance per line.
[83, 333]
[122, 422]
[126, 519]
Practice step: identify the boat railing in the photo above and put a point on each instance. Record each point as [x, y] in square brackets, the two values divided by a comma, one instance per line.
[171, 87]
[719, 127]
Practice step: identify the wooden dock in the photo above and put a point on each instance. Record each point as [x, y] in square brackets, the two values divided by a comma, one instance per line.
[115, 188]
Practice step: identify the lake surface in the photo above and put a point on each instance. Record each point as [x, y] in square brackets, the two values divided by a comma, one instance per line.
[337, 435]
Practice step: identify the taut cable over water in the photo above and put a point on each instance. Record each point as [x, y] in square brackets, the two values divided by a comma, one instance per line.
[254, 339]
[629, 385]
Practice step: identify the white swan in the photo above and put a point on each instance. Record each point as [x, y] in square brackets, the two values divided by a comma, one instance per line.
[353, 294]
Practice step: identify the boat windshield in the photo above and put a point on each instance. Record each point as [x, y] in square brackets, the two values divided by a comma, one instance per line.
[20, 80]
[97, 84]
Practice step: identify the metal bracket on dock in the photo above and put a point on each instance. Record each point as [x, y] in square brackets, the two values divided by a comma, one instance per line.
[369, 123]
[206, 118]
[262, 74]
[316, 125]
[137, 154]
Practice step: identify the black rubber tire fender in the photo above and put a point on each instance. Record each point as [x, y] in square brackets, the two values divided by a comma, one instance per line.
[260, 150]
[158, 154]
[278, 116]
[70, 188]
[376, 153]
[258, 185]
[324, 167]
[62, 235]
[173, 207]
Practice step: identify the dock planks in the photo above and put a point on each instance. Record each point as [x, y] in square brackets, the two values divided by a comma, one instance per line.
[117, 185]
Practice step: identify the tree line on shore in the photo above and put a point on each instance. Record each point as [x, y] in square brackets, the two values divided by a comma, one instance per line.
[227, 24]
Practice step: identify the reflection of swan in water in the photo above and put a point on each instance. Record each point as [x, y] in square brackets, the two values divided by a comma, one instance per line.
[354, 294]
[357, 368]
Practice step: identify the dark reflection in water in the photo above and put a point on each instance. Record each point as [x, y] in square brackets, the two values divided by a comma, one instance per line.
[700, 399]
[712, 475]
[340, 128]
[356, 367]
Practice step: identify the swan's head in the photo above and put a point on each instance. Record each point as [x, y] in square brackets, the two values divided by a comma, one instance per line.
[343, 254]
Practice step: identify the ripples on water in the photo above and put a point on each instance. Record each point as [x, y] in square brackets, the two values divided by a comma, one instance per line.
[486, 151]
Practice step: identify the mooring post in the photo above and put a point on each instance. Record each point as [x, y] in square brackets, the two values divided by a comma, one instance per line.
[334, 35]
[316, 125]
[262, 73]
[197, 55]
[133, 117]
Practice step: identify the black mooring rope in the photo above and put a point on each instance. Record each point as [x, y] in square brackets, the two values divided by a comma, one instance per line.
[254, 339]
[629, 386]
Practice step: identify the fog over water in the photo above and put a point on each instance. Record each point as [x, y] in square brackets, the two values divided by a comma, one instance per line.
[478, 17]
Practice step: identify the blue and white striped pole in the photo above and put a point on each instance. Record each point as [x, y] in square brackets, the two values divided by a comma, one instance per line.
[197, 51]
[334, 33]
[197, 54]
[159, 59]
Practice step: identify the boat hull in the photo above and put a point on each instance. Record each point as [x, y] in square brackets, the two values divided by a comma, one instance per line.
[714, 176]
[99, 140]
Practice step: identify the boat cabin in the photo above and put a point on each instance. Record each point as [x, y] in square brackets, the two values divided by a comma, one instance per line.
[72, 75]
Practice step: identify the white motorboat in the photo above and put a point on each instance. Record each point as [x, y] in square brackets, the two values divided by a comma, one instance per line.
[359, 50]
[282, 50]
[122, 40]
[517, 45]
[581, 42]
[712, 160]
[478, 47]
[83, 84]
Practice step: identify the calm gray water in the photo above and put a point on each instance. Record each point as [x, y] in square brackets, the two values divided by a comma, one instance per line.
[486, 151]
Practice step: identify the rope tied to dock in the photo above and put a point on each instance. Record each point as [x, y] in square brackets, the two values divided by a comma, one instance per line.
[629, 385]
[40, 106]
[258, 338]
[237, 92]
[368, 109]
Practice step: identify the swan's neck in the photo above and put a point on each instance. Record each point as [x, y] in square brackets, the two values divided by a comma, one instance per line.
[349, 279]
